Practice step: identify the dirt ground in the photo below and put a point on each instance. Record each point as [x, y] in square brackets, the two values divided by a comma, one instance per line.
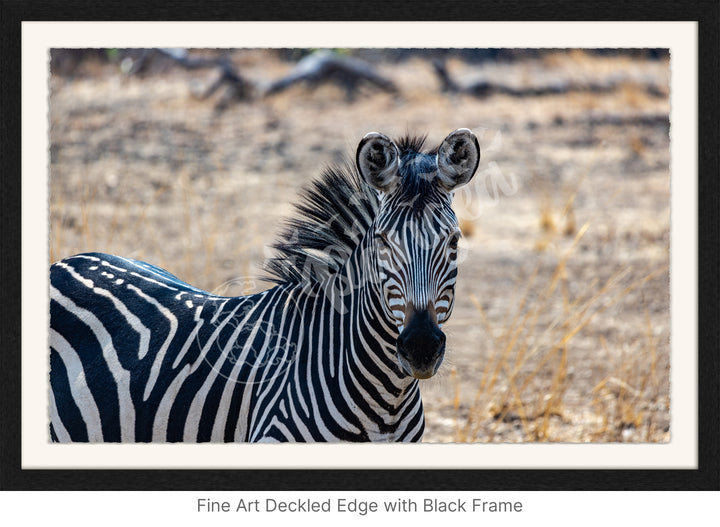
[561, 325]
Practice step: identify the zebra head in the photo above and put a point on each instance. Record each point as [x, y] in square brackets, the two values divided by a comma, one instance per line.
[415, 237]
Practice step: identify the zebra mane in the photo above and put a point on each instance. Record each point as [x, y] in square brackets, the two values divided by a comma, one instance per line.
[330, 220]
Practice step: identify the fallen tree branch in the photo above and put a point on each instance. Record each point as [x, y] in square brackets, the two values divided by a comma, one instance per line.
[485, 88]
[320, 66]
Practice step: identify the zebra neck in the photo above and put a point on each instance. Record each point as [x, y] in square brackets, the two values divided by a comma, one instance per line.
[357, 294]
[362, 385]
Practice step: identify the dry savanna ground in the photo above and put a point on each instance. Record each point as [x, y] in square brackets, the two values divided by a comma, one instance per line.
[561, 325]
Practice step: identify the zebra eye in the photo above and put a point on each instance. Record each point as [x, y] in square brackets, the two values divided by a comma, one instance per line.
[382, 238]
[453, 243]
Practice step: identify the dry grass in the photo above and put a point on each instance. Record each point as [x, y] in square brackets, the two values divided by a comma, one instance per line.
[626, 399]
[202, 240]
[525, 379]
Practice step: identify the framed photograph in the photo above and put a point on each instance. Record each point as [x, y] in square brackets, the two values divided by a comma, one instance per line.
[488, 243]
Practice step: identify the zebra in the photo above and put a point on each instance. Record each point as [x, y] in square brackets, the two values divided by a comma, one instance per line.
[363, 279]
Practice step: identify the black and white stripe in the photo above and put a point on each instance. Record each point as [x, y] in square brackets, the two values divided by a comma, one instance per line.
[365, 275]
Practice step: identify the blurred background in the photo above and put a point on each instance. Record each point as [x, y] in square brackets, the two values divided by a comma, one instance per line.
[189, 158]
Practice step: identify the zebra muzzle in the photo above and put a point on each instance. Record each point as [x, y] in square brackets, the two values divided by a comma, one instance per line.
[421, 345]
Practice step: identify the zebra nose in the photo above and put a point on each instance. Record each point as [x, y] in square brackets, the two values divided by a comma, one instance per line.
[421, 346]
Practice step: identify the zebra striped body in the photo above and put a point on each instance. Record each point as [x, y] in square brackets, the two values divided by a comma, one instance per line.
[333, 352]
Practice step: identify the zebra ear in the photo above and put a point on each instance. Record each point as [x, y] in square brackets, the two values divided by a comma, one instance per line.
[458, 158]
[377, 160]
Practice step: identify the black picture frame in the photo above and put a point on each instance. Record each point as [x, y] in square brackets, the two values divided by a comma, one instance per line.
[705, 477]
